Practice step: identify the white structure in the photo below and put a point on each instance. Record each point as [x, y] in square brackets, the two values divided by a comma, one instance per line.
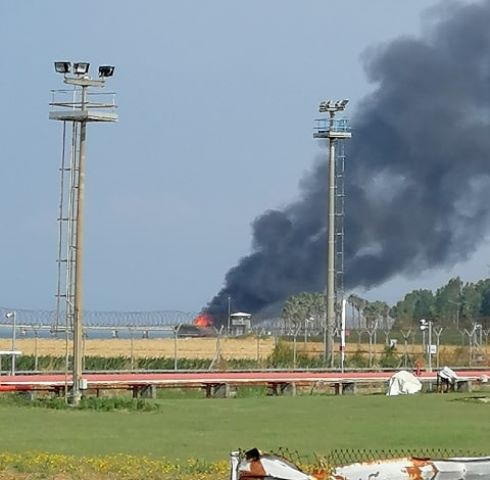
[241, 323]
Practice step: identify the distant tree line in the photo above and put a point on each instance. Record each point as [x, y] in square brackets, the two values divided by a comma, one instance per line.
[456, 305]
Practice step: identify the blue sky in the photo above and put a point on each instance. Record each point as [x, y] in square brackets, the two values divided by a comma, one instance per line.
[216, 103]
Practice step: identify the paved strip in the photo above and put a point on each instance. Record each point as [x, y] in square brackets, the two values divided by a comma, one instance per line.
[209, 378]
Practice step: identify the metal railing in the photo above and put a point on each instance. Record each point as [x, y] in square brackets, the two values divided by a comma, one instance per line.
[71, 99]
[335, 125]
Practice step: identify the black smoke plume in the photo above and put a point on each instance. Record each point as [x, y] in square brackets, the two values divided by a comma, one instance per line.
[417, 173]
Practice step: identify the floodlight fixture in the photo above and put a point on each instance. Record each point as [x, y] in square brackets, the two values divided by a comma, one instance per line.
[331, 106]
[341, 104]
[9, 315]
[106, 71]
[81, 68]
[326, 106]
[424, 325]
[62, 67]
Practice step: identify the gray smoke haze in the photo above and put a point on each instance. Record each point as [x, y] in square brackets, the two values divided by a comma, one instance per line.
[417, 173]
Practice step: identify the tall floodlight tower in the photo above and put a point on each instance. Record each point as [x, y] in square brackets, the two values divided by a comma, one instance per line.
[334, 130]
[77, 106]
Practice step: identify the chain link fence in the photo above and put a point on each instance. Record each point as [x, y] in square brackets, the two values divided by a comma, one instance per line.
[340, 457]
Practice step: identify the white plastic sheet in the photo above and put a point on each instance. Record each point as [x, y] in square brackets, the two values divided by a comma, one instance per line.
[476, 468]
[447, 374]
[403, 383]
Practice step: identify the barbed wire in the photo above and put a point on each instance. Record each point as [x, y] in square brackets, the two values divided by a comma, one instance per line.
[47, 318]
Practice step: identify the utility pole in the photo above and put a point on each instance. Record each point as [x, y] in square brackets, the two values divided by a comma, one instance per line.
[76, 107]
[332, 130]
[229, 315]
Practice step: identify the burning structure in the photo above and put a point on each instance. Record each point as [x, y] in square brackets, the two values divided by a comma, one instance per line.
[203, 320]
[202, 326]
[418, 173]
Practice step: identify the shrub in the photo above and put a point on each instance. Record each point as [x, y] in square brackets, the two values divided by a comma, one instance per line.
[390, 358]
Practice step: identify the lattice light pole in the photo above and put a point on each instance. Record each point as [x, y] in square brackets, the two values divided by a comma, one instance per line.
[77, 106]
[333, 130]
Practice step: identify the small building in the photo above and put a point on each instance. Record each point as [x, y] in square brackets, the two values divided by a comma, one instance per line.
[241, 323]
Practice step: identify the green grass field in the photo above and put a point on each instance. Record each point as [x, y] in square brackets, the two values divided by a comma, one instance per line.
[210, 428]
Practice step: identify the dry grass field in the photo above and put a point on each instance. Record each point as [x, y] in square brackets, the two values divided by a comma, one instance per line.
[206, 348]
[202, 348]
[447, 354]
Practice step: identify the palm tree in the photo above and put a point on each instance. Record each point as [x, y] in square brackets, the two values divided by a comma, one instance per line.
[293, 312]
[359, 304]
[302, 307]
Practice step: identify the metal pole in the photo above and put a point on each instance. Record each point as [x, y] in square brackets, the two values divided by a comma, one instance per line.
[370, 353]
[36, 358]
[258, 347]
[438, 344]
[79, 113]
[430, 346]
[218, 347]
[438, 332]
[342, 336]
[176, 331]
[294, 349]
[229, 315]
[13, 342]
[330, 247]
[131, 334]
[470, 349]
[405, 360]
[325, 334]
[78, 320]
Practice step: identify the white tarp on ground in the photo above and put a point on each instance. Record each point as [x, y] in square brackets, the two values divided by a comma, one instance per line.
[412, 468]
[278, 468]
[449, 375]
[258, 466]
[403, 383]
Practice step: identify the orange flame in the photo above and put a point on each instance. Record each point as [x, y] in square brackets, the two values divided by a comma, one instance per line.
[203, 320]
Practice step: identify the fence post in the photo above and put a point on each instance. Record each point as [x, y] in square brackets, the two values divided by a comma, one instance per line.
[406, 337]
[176, 335]
[131, 336]
[36, 335]
[438, 332]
